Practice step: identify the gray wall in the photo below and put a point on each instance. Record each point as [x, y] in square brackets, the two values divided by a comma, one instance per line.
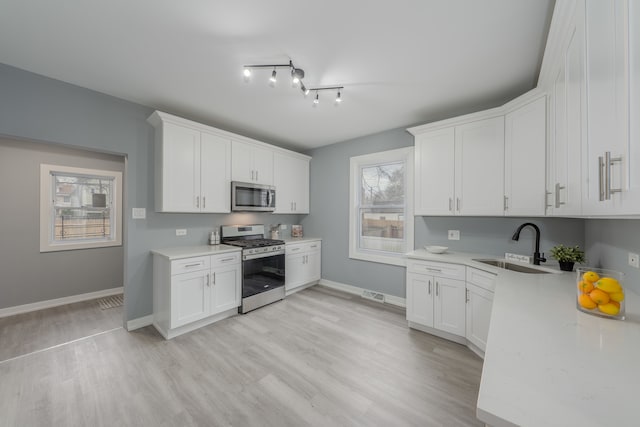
[330, 213]
[47, 110]
[609, 242]
[29, 276]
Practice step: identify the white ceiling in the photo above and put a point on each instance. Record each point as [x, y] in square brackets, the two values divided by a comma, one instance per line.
[402, 63]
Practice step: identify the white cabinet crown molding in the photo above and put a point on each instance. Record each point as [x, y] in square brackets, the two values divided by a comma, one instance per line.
[158, 117]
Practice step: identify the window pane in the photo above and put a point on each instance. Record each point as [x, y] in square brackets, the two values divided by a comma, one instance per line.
[82, 207]
[382, 230]
[382, 185]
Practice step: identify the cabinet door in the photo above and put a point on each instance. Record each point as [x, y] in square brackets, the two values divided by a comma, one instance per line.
[631, 197]
[300, 186]
[420, 295]
[525, 149]
[180, 169]
[263, 165]
[569, 93]
[215, 174]
[226, 289]
[434, 174]
[314, 262]
[449, 306]
[479, 167]
[296, 270]
[189, 297]
[242, 162]
[479, 302]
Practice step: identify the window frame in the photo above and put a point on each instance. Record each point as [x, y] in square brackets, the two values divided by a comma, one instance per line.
[47, 208]
[356, 164]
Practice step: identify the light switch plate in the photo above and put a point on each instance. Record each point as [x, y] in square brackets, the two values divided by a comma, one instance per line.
[181, 232]
[139, 213]
[454, 234]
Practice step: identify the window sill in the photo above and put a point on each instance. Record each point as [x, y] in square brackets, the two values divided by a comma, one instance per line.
[380, 259]
[57, 247]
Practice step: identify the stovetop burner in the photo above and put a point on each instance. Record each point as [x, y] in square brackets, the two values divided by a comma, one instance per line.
[253, 243]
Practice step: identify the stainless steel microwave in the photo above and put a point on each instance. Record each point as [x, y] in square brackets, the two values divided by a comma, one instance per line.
[246, 196]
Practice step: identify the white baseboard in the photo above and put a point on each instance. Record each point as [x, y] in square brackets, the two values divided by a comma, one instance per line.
[139, 322]
[41, 305]
[389, 299]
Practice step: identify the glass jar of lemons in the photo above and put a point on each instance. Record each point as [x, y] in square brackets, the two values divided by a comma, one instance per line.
[600, 292]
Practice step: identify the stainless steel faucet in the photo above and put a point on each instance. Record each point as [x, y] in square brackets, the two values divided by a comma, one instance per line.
[537, 256]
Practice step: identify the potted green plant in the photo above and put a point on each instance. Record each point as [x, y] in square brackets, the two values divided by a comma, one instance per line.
[567, 256]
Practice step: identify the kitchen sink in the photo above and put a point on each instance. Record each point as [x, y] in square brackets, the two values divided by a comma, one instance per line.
[500, 263]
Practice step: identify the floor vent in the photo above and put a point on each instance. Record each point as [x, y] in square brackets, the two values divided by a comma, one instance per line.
[375, 296]
[111, 302]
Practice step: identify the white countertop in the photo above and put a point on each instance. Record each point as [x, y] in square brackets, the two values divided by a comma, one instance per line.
[289, 240]
[548, 364]
[180, 252]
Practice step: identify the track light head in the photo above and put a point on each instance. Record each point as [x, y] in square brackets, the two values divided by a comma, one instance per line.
[297, 74]
[273, 79]
[304, 89]
[316, 100]
[246, 73]
[338, 98]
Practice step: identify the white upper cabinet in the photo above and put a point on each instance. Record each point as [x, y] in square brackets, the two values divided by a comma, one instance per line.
[193, 170]
[434, 173]
[291, 179]
[525, 148]
[479, 168]
[611, 185]
[251, 163]
[459, 169]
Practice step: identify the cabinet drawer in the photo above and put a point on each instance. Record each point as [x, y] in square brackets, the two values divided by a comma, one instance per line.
[439, 269]
[481, 278]
[297, 248]
[230, 258]
[187, 265]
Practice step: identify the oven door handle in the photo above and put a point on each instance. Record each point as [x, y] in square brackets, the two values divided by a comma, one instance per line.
[262, 255]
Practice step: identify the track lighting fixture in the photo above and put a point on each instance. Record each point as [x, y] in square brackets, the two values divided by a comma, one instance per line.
[297, 74]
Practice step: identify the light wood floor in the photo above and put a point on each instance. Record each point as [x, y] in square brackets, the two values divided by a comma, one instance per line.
[319, 358]
[28, 332]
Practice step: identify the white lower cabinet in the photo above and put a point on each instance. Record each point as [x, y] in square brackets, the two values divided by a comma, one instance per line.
[302, 264]
[480, 286]
[436, 296]
[192, 292]
[451, 301]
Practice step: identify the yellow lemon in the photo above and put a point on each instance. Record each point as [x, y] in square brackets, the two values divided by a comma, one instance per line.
[617, 296]
[609, 308]
[586, 302]
[585, 287]
[590, 276]
[609, 285]
[600, 297]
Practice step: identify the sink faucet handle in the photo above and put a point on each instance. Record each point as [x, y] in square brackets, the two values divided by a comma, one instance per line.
[542, 258]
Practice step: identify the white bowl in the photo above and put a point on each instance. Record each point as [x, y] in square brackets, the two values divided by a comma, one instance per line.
[436, 249]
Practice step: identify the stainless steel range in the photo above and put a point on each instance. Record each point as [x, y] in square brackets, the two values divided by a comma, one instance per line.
[262, 265]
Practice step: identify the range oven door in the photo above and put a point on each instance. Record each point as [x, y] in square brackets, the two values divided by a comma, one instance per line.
[262, 273]
[246, 196]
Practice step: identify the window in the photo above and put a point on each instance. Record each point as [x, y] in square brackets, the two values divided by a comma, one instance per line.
[79, 208]
[381, 210]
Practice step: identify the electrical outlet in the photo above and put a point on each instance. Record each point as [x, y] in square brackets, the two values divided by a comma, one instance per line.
[181, 231]
[138, 213]
[633, 260]
[454, 234]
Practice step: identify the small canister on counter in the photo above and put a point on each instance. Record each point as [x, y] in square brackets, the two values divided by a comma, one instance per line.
[214, 238]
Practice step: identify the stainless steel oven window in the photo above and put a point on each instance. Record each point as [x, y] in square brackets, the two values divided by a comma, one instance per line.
[262, 274]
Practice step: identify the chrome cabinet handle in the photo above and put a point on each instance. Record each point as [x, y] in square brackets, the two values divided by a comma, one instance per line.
[608, 162]
[295, 249]
[204, 202]
[437, 270]
[429, 287]
[437, 288]
[601, 174]
[450, 204]
[314, 246]
[295, 206]
[558, 188]
[466, 295]
[208, 280]
[192, 265]
[458, 204]
[506, 203]
[227, 259]
[257, 175]
[252, 175]
[214, 278]
[197, 201]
